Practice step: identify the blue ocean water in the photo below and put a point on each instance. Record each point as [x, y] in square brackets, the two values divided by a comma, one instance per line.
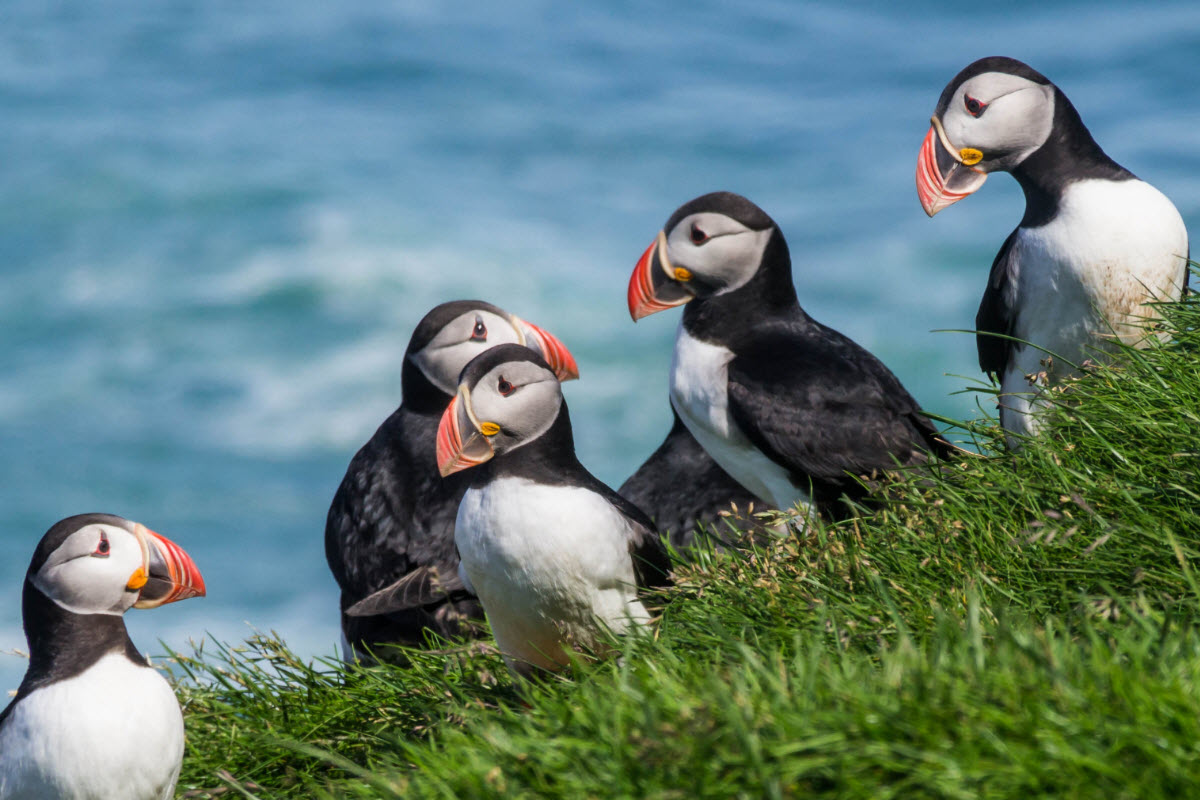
[219, 223]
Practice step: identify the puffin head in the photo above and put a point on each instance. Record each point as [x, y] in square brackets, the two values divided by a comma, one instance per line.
[103, 564]
[991, 117]
[710, 246]
[452, 334]
[506, 398]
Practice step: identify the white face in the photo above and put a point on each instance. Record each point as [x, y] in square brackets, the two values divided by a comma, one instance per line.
[521, 398]
[721, 253]
[1003, 116]
[90, 572]
[466, 336]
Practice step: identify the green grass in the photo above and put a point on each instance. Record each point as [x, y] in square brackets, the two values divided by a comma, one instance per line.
[1018, 625]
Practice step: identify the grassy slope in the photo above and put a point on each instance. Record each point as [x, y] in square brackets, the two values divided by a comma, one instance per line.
[1023, 625]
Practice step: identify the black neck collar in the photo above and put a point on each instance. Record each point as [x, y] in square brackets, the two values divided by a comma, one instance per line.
[768, 296]
[63, 644]
[418, 392]
[549, 459]
[1070, 154]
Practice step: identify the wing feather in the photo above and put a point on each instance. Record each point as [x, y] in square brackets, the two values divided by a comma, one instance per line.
[997, 311]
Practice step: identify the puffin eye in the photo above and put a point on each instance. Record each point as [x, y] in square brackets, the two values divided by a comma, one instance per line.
[697, 235]
[103, 548]
[479, 332]
[974, 107]
[505, 388]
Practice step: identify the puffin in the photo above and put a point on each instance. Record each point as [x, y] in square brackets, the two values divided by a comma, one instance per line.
[393, 513]
[556, 556]
[92, 718]
[1095, 244]
[687, 494]
[790, 408]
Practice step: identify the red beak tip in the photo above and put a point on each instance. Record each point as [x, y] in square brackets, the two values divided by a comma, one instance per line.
[554, 351]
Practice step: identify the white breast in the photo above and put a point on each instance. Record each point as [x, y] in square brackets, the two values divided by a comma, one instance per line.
[700, 395]
[551, 566]
[1083, 278]
[114, 731]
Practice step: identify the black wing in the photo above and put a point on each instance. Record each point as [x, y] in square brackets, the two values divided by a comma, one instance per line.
[392, 515]
[422, 586]
[1187, 273]
[997, 312]
[681, 487]
[823, 406]
[7, 710]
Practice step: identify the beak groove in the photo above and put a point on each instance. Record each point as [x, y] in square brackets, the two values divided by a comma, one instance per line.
[942, 177]
[652, 286]
[454, 452]
[171, 574]
[552, 349]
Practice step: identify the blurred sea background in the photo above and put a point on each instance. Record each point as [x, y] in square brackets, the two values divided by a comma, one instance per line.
[219, 223]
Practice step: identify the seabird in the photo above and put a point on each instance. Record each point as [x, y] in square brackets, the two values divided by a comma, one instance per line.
[793, 410]
[1094, 246]
[556, 557]
[92, 718]
[393, 514]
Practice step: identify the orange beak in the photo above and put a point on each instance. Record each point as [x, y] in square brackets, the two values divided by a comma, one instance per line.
[653, 286]
[554, 351]
[454, 453]
[170, 574]
[942, 178]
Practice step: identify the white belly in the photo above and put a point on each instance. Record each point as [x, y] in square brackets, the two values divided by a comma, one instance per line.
[700, 395]
[113, 733]
[551, 566]
[1083, 281]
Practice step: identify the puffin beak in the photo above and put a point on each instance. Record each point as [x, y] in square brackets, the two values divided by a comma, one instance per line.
[169, 575]
[454, 453]
[655, 285]
[554, 351]
[945, 175]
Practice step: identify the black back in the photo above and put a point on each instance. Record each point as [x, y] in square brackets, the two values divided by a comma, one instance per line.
[393, 512]
[682, 489]
[810, 398]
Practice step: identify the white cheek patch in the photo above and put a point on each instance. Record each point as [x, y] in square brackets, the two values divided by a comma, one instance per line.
[1018, 119]
[728, 259]
[81, 588]
[529, 411]
[738, 257]
[84, 584]
[442, 360]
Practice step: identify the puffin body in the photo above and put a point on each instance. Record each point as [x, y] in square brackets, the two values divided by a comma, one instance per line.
[682, 489]
[791, 409]
[92, 719]
[548, 566]
[73, 737]
[1095, 245]
[555, 556]
[393, 514]
[700, 395]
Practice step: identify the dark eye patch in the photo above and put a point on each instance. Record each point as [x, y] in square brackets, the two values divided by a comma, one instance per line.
[103, 548]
